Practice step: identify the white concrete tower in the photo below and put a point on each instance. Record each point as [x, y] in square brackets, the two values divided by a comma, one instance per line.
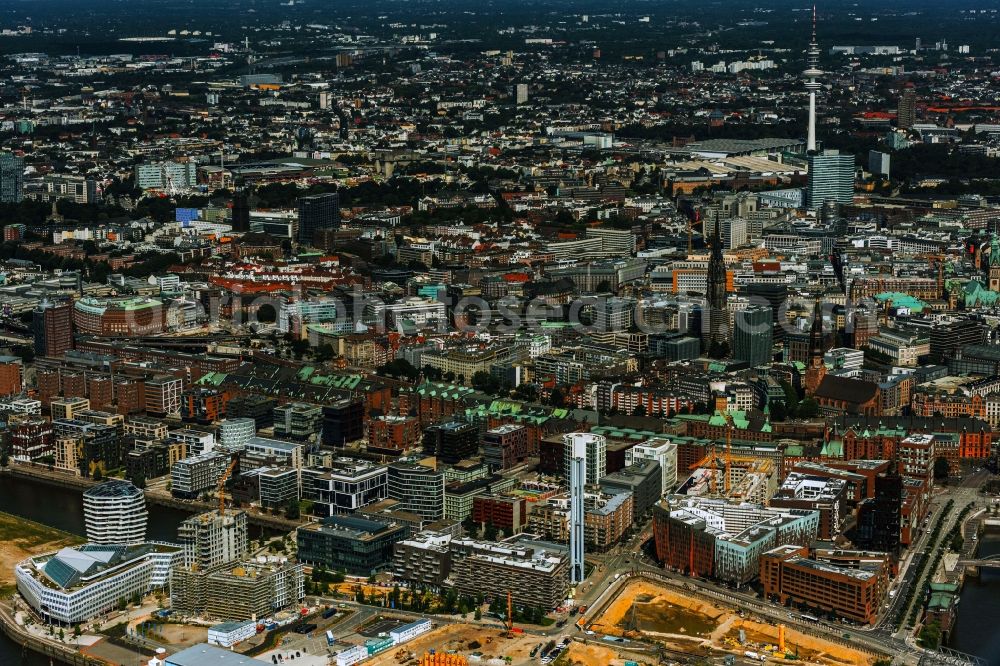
[811, 75]
[577, 483]
[114, 512]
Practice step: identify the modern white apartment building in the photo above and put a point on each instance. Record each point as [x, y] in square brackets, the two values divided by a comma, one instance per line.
[195, 474]
[663, 451]
[197, 441]
[114, 512]
[235, 433]
[596, 447]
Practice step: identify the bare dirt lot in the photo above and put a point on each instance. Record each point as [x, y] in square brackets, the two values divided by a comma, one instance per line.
[588, 653]
[644, 611]
[465, 639]
[20, 539]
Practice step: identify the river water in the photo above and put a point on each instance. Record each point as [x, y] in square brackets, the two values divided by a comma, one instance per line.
[62, 508]
[979, 610]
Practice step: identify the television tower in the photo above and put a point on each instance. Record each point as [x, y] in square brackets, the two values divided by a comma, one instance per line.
[812, 84]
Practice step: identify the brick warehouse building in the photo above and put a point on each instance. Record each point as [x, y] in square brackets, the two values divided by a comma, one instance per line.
[118, 317]
[393, 435]
[849, 584]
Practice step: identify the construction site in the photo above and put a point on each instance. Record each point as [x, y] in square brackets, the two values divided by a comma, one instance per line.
[467, 641]
[684, 622]
[735, 476]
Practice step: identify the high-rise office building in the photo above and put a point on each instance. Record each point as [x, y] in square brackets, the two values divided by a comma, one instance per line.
[319, 211]
[522, 93]
[577, 445]
[775, 295]
[343, 421]
[241, 209]
[879, 518]
[451, 442]
[114, 512]
[418, 489]
[906, 111]
[715, 322]
[52, 326]
[11, 178]
[831, 177]
[878, 163]
[752, 339]
[166, 175]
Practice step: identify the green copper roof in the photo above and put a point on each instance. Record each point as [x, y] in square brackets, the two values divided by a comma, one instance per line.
[833, 449]
[973, 293]
[901, 300]
[211, 378]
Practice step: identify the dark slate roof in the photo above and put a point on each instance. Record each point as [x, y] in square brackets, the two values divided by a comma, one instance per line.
[845, 389]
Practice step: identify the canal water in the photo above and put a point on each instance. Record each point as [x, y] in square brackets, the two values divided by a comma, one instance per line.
[979, 610]
[62, 508]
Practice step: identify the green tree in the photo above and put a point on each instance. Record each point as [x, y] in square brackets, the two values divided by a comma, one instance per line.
[485, 382]
[399, 368]
[292, 511]
[299, 348]
[808, 408]
[395, 596]
[930, 635]
[718, 349]
[470, 526]
[791, 400]
[778, 411]
[941, 468]
[98, 475]
[526, 392]
[556, 398]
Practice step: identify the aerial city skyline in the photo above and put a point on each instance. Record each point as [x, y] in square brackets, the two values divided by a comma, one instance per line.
[448, 334]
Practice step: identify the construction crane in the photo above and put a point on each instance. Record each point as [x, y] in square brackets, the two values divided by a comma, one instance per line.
[939, 259]
[509, 633]
[222, 484]
[729, 448]
[711, 459]
[690, 226]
